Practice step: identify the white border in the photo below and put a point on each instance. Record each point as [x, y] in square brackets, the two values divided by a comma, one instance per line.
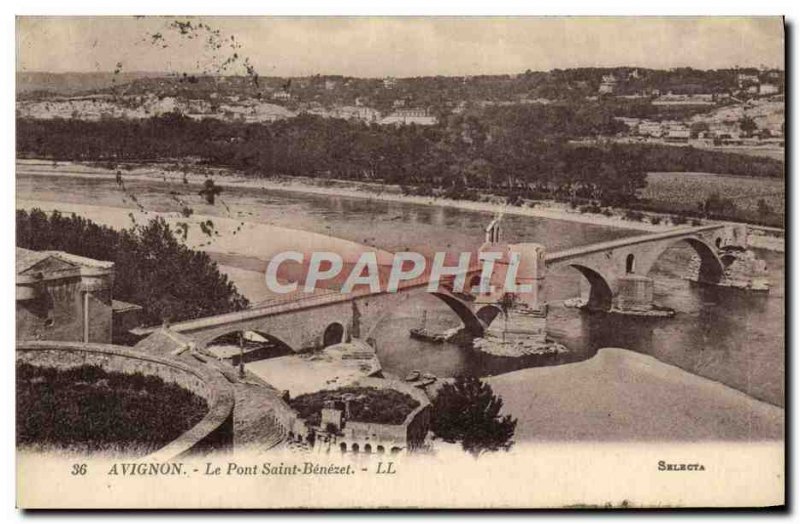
[297, 7]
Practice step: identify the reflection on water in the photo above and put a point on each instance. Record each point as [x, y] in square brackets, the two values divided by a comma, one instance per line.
[724, 334]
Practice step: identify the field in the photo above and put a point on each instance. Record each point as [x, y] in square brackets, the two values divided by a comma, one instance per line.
[777, 153]
[685, 191]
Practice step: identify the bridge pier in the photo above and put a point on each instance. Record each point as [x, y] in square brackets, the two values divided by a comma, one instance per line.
[521, 328]
[634, 293]
[520, 324]
[635, 297]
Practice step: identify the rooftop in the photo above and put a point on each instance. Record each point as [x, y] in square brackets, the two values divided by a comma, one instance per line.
[27, 259]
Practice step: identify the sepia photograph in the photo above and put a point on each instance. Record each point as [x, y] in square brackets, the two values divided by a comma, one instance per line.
[422, 262]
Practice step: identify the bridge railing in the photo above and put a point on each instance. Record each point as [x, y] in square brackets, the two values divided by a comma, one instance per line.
[294, 301]
[628, 241]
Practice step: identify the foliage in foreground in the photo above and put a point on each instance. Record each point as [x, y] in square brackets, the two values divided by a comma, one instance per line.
[152, 268]
[88, 409]
[468, 411]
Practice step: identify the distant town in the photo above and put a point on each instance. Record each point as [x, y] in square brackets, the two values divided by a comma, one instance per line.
[733, 107]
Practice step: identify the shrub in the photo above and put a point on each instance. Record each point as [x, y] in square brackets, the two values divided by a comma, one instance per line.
[514, 200]
[468, 411]
[632, 214]
[87, 409]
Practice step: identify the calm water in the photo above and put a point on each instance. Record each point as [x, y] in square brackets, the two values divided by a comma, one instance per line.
[727, 335]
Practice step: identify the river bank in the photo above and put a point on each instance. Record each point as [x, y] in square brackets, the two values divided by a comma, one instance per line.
[762, 239]
[223, 178]
[241, 249]
[620, 395]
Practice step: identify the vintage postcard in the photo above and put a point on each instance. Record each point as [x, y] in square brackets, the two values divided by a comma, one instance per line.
[418, 262]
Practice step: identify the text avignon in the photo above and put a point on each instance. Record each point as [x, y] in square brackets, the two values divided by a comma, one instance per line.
[146, 468]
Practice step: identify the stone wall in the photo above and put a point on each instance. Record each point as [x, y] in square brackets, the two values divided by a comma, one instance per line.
[373, 438]
[57, 313]
[214, 432]
[262, 420]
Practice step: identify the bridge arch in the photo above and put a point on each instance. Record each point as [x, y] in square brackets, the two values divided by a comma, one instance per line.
[630, 264]
[600, 295]
[488, 313]
[333, 334]
[272, 346]
[712, 267]
[463, 309]
[464, 312]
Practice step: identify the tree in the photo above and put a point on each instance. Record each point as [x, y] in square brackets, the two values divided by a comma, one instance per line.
[747, 125]
[210, 191]
[468, 411]
[698, 127]
[152, 268]
[764, 209]
[714, 204]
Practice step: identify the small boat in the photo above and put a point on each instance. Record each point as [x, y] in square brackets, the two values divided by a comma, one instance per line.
[576, 302]
[428, 336]
[414, 375]
[422, 333]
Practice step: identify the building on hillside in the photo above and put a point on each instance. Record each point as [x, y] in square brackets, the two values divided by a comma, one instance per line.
[652, 129]
[745, 79]
[419, 117]
[768, 89]
[677, 133]
[167, 104]
[699, 99]
[61, 296]
[367, 114]
[608, 84]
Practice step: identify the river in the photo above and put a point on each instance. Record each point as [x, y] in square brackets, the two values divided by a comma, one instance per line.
[723, 334]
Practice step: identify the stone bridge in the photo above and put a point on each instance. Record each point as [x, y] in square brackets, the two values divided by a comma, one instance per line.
[304, 321]
[607, 266]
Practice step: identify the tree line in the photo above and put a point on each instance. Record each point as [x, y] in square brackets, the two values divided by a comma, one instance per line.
[522, 149]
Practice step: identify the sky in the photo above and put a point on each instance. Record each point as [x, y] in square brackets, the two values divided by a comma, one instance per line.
[400, 47]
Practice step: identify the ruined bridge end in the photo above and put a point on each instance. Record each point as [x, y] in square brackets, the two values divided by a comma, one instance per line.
[604, 264]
